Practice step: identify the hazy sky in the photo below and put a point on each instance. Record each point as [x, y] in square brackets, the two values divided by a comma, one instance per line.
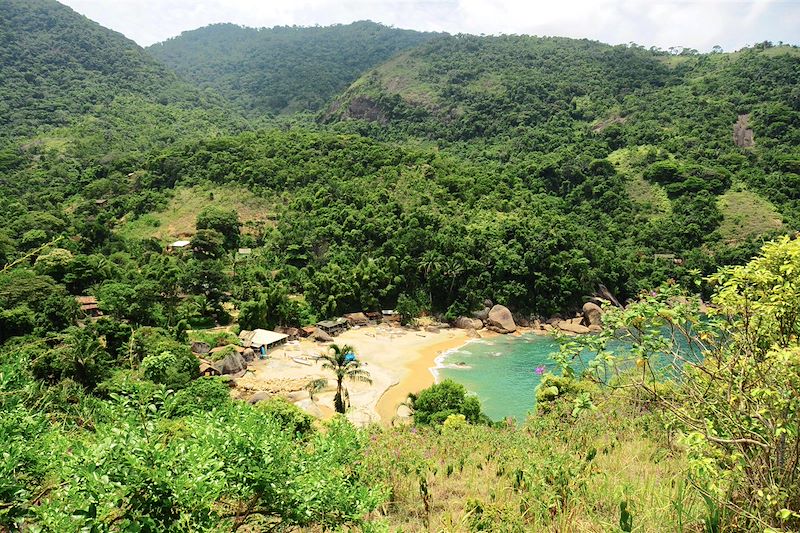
[697, 24]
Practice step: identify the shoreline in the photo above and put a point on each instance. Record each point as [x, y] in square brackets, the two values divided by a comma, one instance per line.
[400, 361]
[419, 374]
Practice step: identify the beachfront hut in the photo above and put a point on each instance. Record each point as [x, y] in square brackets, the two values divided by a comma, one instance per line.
[207, 369]
[390, 315]
[333, 327]
[357, 319]
[89, 306]
[178, 246]
[374, 316]
[262, 340]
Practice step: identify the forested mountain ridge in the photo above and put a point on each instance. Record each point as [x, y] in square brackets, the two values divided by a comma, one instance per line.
[527, 171]
[541, 105]
[58, 65]
[466, 87]
[282, 69]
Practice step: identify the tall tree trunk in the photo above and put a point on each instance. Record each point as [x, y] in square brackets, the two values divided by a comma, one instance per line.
[338, 401]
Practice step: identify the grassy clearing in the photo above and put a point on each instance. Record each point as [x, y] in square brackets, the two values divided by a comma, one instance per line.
[554, 474]
[213, 337]
[400, 76]
[651, 197]
[178, 219]
[746, 214]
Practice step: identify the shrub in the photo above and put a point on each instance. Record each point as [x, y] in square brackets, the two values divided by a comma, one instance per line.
[174, 370]
[291, 418]
[436, 403]
[201, 395]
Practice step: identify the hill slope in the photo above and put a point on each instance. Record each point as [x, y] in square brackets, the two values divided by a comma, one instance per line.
[58, 65]
[540, 105]
[282, 69]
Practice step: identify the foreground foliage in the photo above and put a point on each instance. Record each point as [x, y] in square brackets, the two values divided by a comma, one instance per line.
[554, 473]
[728, 384]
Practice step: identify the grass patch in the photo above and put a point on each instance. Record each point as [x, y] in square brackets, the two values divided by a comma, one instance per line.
[554, 474]
[178, 219]
[214, 337]
[746, 214]
[650, 197]
[401, 76]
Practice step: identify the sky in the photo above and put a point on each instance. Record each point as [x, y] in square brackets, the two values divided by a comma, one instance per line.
[699, 24]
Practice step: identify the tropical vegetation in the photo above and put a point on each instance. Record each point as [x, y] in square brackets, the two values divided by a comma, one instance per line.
[394, 170]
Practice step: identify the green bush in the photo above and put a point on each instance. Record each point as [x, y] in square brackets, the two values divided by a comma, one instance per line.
[436, 403]
[201, 395]
[291, 418]
[174, 370]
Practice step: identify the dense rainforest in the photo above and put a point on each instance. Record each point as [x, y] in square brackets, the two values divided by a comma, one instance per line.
[364, 168]
[282, 70]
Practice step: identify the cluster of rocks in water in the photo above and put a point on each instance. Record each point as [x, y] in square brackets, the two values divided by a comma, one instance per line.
[499, 319]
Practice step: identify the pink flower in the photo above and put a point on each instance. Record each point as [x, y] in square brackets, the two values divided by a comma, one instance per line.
[539, 370]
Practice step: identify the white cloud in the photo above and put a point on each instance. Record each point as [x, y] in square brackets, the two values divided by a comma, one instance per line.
[695, 23]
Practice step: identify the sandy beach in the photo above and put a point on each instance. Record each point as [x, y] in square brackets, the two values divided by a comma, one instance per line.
[399, 361]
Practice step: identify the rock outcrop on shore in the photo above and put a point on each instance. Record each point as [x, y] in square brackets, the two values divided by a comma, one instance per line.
[321, 336]
[592, 314]
[573, 326]
[464, 322]
[233, 363]
[501, 320]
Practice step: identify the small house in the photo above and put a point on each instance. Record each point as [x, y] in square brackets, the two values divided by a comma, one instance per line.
[390, 315]
[669, 257]
[357, 319]
[178, 245]
[207, 369]
[333, 327]
[307, 331]
[262, 340]
[374, 316]
[89, 306]
[245, 251]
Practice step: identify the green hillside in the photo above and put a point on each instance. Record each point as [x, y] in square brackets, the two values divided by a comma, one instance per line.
[71, 84]
[440, 172]
[282, 69]
[540, 105]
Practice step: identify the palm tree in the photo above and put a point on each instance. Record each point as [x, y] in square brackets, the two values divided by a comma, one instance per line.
[314, 386]
[344, 365]
[452, 269]
[428, 264]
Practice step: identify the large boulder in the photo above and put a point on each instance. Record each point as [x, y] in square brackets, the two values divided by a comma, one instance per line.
[572, 327]
[258, 397]
[357, 319]
[592, 314]
[309, 407]
[500, 320]
[321, 336]
[233, 363]
[249, 355]
[523, 322]
[200, 348]
[482, 315]
[464, 322]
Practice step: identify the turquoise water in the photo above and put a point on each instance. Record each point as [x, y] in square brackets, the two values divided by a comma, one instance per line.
[501, 371]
